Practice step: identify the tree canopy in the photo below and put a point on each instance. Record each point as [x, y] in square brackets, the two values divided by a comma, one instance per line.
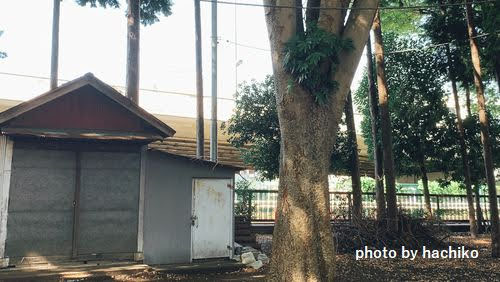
[416, 102]
[150, 9]
[254, 130]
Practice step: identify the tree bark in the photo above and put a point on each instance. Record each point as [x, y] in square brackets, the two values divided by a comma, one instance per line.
[377, 149]
[467, 99]
[425, 183]
[385, 122]
[463, 149]
[299, 22]
[485, 136]
[357, 206]
[497, 74]
[312, 15]
[303, 248]
[133, 40]
[479, 211]
[54, 59]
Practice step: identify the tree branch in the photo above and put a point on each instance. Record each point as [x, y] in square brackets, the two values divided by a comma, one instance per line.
[331, 20]
[357, 28]
[298, 17]
[312, 15]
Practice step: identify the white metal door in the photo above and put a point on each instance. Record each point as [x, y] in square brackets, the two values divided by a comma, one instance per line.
[212, 219]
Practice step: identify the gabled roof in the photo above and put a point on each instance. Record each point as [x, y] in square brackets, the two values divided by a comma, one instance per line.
[87, 80]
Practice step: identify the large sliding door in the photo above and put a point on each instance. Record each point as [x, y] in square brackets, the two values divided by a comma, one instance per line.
[40, 215]
[72, 202]
[109, 199]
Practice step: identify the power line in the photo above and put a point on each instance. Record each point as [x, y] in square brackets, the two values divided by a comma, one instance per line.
[386, 53]
[118, 86]
[418, 7]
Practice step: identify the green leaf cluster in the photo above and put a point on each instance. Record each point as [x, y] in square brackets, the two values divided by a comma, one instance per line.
[243, 205]
[312, 58]
[254, 130]
[149, 9]
[416, 103]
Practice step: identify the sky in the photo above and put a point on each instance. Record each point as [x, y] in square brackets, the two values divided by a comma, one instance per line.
[94, 40]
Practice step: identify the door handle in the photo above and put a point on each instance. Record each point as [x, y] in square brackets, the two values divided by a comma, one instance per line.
[194, 220]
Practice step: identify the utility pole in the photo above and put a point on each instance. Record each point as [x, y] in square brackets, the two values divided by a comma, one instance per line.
[213, 125]
[54, 60]
[199, 84]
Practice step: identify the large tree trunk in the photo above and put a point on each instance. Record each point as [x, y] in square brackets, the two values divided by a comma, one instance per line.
[463, 150]
[377, 149]
[133, 36]
[479, 211]
[54, 59]
[303, 247]
[425, 183]
[357, 205]
[385, 124]
[485, 136]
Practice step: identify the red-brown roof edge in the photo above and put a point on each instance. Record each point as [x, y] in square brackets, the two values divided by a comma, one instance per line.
[87, 79]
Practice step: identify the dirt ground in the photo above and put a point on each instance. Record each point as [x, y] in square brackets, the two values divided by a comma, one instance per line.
[483, 268]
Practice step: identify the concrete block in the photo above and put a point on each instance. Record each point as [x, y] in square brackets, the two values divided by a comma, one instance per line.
[256, 264]
[138, 256]
[4, 262]
[247, 258]
[263, 258]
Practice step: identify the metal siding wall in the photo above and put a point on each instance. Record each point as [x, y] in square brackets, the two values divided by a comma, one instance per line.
[109, 202]
[40, 218]
[168, 196]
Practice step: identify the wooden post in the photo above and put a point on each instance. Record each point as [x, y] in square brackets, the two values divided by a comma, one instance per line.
[200, 138]
[349, 209]
[437, 207]
[6, 149]
[76, 203]
[139, 255]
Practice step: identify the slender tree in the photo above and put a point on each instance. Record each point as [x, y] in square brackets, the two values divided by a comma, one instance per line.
[463, 149]
[310, 100]
[357, 204]
[485, 137]
[138, 11]
[385, 126]
[133, 39]
[465, 158]
[374, 122]
[417, 107]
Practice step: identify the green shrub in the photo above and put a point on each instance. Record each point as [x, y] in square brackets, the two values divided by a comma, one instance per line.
[244, 196]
